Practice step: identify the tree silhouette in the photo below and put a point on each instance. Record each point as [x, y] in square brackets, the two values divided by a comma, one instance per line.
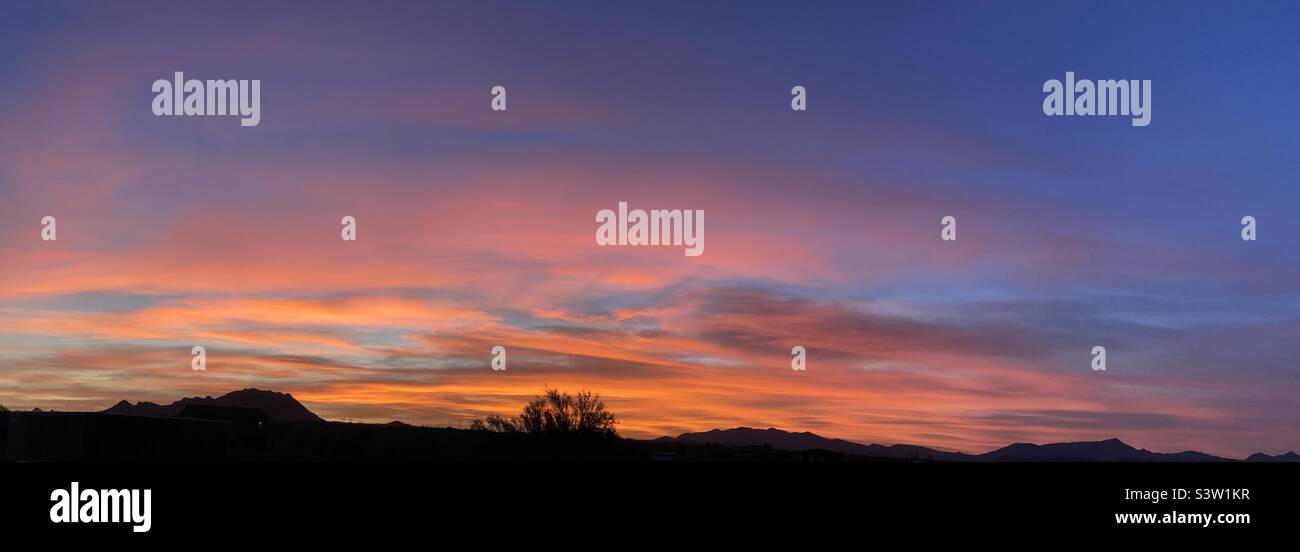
[555, 413]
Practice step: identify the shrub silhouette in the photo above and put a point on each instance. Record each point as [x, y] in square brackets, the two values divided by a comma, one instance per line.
[555, 413]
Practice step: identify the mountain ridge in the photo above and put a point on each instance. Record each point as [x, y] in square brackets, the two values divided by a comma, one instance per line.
[786, 440]
[283, 407]
[279, 407]
[1107, 450]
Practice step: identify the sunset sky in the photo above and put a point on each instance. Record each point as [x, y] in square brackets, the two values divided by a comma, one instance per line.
[475, 228]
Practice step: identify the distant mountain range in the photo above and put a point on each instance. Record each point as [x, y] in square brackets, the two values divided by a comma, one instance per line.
[1099, 451]
[785, 440]
[279, 407]
[282, 407]
[1261, 457]
[1084, 451]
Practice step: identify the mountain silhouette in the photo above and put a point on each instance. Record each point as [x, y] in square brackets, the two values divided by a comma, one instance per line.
[1108, 450]
[279, 407]
[785, 440]
[1084, 451]
[1261, 457]
[283, 408]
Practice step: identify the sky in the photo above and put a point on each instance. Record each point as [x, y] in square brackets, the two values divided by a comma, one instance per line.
[475, 227]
